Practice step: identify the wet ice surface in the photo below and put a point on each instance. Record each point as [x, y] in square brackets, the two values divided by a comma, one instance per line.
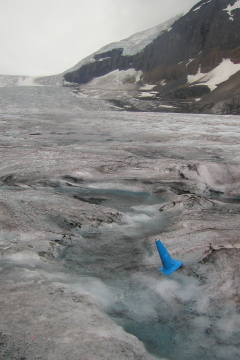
[85, 192]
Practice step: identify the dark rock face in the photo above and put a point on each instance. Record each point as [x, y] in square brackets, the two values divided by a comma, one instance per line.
[188, 92]
[231, 106]
[199, 39]
[205, 35]
[103, 64]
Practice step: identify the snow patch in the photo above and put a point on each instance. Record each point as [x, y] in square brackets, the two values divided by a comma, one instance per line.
[116, 79]
[189, 61]
[147, 94]
[26, 81]
[168, 106]
[104, 58]
[230, 8]
[199, 7]
[218, 75]
[147, 87]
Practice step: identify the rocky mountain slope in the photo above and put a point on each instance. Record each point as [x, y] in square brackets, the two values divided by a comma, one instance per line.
[193, 58]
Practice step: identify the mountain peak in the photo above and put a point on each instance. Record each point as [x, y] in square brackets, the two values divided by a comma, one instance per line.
[169, 55]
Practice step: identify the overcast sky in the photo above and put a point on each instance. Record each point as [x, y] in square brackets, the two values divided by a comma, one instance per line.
[46, 37]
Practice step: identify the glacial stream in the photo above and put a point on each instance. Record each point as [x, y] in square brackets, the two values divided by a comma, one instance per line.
[106, 256]
[106, 259]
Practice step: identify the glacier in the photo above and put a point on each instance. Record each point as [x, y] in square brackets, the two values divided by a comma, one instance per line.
[85, 191]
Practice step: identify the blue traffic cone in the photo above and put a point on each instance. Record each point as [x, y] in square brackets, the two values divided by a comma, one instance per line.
[169, 265]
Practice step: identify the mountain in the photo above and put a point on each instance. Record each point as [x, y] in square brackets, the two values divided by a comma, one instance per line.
[117, 55]
[194, 57]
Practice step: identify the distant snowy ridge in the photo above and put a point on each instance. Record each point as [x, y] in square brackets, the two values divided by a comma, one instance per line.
[131, 45]
[199, 7]
[137, 42]
[22, 80]
[14, 80]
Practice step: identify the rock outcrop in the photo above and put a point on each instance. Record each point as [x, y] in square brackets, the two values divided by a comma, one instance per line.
[231, 106]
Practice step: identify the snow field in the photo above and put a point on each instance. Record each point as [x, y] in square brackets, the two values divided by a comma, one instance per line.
[218, 75]
[230, 8]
